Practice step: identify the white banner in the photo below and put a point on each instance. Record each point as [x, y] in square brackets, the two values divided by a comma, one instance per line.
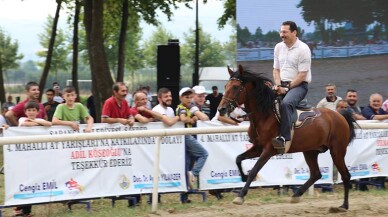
[367, 156]
[45, 172]
[220, 170]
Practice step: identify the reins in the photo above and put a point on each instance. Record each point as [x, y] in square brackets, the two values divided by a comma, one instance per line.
[233, 102]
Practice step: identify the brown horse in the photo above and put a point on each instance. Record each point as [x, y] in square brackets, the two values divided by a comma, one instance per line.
[328, 131]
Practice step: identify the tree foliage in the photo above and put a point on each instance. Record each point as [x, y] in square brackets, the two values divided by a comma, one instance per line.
[59, 59]
[359, 13]
[211, 52]
[9, 58]
[159, 37]
[229, 13]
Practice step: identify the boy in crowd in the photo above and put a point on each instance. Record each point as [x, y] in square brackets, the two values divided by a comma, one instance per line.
[72, 113]
[189, 115]
[31, 110]
[32, 92]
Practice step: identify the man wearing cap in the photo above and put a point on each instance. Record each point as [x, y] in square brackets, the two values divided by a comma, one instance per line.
[199, 100]
[189, 114]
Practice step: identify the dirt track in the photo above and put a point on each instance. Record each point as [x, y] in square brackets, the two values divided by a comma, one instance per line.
[322, 204]
[367, 74]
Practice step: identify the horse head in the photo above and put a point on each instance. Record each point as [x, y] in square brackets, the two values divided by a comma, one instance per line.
[251, 89]
[235, 92]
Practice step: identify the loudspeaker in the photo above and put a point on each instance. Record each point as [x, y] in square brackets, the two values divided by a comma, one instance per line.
[168, 65]
[168, 69]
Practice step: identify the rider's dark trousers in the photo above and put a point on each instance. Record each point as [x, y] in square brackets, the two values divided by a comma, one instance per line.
[287, 108]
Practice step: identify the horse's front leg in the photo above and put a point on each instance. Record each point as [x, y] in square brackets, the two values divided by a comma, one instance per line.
[263, 159]
[253, 152]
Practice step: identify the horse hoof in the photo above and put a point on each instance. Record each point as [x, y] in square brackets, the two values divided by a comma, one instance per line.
[238, 200]
[295, 199]
[337, 209]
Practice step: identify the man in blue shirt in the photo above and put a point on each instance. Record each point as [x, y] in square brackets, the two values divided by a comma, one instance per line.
[374, 111]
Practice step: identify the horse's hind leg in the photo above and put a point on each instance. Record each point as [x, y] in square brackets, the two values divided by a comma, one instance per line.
[339, 162]
[249, 154]
[311, 158]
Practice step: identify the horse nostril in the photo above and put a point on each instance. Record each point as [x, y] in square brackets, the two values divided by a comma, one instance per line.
[222, 111]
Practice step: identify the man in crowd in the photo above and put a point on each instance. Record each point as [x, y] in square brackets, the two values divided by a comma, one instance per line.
[374, 111]
[352, 98]
[214, 100]
[51, 104]
[32, 92]
[116, 109]
[342, 105]
[331, 100]
[140, 111]
[9, 102]
[58, 94]
[164, 107]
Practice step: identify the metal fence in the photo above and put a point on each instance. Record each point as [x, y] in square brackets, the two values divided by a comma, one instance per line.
[254, 54]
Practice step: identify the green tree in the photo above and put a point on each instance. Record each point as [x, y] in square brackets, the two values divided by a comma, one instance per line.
[59, 51]
[158, 37]
[123, 50]
[50, 49]
[210, 50]
[230, 47]
[229, 13]
[381, 13]
[243, 35]
[8, 59]
[93, 21]
[326, 14]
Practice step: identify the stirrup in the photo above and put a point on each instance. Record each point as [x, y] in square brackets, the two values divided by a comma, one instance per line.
[279, 142]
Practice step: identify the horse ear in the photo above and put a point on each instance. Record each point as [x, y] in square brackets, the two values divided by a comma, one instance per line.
[240, 69]
[230, 71]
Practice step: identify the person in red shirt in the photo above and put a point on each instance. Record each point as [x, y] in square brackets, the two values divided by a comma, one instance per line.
[116, 109]
[140, 110]
[32, 92]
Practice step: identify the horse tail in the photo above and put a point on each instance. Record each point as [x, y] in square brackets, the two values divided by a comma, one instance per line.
[350, 120]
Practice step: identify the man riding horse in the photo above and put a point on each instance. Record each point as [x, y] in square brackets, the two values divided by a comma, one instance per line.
[292, 73]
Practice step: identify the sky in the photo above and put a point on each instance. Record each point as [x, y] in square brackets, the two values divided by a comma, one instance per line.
[24, 20]
[269, 14]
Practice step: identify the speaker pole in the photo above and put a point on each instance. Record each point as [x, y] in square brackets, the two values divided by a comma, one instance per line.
[196, 63]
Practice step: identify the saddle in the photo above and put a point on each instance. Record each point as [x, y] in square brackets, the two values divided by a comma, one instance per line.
[304, 113]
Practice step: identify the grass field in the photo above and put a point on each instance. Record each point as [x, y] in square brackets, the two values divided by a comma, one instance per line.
[259, 202]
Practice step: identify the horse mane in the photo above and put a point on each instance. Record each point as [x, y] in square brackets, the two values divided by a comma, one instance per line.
[263, 94]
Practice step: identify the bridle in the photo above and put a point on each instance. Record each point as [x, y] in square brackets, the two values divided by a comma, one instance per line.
[233, 102]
